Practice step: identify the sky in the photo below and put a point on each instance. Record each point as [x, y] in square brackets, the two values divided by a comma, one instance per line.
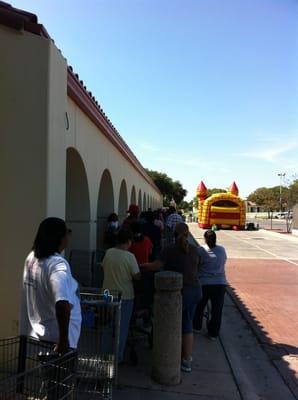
[199, 89]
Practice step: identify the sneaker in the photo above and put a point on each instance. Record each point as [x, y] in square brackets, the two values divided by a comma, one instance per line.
[213, 338]
[185, 366]
[196, 331]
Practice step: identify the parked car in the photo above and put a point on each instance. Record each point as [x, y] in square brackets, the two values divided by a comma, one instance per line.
[284, 214]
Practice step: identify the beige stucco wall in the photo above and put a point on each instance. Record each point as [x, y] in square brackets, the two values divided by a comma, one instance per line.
[24, 72]
[33, 148]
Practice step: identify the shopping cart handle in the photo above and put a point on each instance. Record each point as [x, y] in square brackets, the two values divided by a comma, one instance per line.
[108, 298]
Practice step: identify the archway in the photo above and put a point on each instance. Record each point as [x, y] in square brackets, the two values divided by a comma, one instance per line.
[77, 216]
[144, 202]
[140, 200]
[123, 202]
[133, 196]
[105, 206]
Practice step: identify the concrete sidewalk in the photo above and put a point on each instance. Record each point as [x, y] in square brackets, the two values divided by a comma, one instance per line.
[234, 367]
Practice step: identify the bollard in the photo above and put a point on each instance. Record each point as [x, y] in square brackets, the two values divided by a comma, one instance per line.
[167, 329]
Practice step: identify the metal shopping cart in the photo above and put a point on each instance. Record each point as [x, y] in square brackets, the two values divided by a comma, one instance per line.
[98, 345]
[30, 370]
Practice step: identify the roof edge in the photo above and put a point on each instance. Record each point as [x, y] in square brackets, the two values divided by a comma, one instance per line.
[22, 20]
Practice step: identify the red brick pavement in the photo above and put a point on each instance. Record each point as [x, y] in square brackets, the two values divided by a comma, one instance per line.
[267, 292]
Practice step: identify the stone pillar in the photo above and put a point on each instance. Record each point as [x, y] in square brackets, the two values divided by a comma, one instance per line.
[167, 330]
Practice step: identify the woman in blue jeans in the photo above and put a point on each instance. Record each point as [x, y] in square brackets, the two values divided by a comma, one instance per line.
[120, 269]
[184, 258]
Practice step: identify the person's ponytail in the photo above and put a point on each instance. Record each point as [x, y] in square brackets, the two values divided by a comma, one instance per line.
[181, 233]
[182, 241]
[210, 238]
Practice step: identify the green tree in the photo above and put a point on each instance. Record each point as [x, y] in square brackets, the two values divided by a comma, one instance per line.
[169, 188]
[293, 193]
[210, 192]
[195, 202]
[269, 198]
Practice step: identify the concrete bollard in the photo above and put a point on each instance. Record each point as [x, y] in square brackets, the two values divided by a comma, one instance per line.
[167, 330]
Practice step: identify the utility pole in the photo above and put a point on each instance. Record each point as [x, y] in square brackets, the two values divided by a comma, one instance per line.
[281, 176]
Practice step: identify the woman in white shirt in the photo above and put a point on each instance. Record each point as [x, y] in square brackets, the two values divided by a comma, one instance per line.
[213, 280]
[50, 307]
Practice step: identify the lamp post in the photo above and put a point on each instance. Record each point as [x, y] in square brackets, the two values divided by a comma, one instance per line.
[281, 176]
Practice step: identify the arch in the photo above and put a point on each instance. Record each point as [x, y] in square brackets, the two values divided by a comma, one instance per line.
[144, 202]
[133, 195]
[77, 207]
[123, 201]
[105, 206]
[140, 200]
[77, 216]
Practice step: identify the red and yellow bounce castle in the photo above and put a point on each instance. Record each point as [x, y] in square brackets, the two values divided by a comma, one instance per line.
[225, 210]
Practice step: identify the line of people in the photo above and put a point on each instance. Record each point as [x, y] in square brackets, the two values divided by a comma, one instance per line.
[50, 300]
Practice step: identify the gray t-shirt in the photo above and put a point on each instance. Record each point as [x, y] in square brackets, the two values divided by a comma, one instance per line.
[212, 265]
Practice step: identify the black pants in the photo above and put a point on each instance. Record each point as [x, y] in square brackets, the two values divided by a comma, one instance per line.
[214, 293]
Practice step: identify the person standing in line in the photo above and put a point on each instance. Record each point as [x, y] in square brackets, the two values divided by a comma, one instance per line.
[120, 269]
[110, 234]
[141, 246]
[153, 233]
[172, 220]
[158, 221]
[133, 216]
[183, 257]
[213, 280]
[50, 307]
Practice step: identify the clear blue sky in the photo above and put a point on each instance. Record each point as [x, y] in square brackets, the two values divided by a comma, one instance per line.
[199, 89]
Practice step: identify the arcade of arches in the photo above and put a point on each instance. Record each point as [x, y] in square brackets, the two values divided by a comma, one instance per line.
[61, 156]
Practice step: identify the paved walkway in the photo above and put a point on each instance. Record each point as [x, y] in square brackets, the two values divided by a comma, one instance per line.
[262, 270]
[235, 367]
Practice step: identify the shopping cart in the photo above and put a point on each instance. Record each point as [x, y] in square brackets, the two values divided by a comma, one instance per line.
[30, 370]
[98, 345]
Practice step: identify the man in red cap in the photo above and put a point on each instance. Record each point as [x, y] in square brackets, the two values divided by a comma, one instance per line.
[133, 216]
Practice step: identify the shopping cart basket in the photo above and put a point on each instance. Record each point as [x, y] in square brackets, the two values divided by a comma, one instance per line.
[98, 344]
[30, 370]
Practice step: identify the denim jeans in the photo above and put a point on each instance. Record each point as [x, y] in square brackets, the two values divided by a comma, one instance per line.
[126, 312]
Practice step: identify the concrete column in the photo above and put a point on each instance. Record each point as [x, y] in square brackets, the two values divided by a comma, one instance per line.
[167, 330]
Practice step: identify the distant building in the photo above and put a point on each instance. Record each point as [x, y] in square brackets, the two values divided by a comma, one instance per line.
[252, 207]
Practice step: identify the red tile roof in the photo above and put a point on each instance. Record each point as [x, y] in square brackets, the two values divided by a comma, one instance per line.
[23, 20]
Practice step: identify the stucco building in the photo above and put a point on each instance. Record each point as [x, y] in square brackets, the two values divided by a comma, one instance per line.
[60, 155]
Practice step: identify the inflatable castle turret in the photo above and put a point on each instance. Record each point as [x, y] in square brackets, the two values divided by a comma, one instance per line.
[225, 210]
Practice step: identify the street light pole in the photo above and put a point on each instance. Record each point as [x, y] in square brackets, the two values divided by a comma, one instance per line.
[281, 175]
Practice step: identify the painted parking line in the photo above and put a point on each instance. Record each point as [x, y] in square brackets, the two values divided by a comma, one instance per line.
[260, 248]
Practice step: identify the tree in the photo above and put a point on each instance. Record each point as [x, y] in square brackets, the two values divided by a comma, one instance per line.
[210, 192]
[169, 188]
[269, 198]
[293, 193]
[195, 202]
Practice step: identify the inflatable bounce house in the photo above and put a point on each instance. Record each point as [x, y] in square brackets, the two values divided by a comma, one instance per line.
[223, 210]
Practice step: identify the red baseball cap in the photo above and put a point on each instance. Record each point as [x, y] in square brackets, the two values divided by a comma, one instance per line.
[133, 209]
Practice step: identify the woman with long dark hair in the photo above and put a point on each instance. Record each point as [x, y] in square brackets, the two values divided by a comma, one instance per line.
[50, 303]
[183, 257]
[213, 279]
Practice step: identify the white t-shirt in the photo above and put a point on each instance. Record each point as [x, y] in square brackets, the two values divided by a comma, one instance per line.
[45, 282]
